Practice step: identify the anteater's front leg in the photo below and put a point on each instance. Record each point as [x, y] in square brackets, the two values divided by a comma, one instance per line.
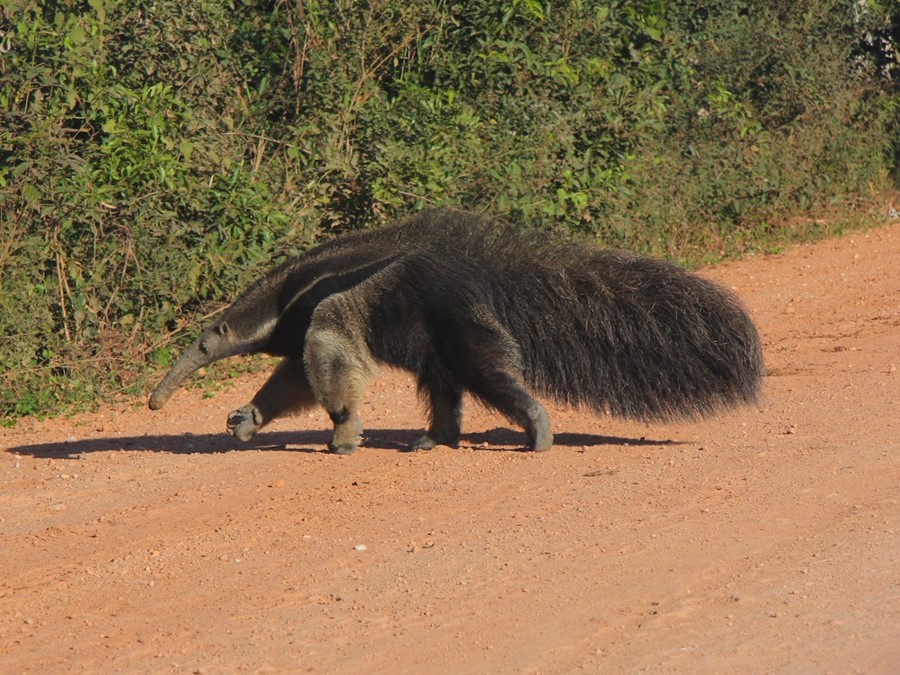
[338, 378]
[286, 390]
[338, 365]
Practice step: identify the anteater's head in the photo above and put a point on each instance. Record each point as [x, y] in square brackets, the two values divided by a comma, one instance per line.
[215, 343]
[244, 328]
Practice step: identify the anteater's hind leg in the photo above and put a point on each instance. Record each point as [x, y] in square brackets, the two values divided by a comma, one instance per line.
[491, 368]
[286, 390]
[504, 391]
[444, 399]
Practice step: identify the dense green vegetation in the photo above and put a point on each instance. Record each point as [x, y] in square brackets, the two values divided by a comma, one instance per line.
[156, 155]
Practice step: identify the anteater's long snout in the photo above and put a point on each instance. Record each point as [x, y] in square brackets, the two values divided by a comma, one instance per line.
[186, 365]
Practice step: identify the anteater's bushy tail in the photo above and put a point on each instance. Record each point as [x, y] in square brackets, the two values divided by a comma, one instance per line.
[621, 334]
[635, 337]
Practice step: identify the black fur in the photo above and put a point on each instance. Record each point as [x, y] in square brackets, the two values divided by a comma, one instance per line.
[470, 305]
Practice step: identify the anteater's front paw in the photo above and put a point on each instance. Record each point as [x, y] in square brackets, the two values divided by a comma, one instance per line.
[347, 436]
[244, 422]
[341, 448]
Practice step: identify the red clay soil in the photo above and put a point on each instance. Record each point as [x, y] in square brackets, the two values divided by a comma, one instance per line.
[767, 540]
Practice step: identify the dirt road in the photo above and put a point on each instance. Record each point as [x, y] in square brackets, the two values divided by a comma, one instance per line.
[767, 540]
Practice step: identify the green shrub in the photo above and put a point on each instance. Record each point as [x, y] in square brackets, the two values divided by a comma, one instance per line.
[156, 156]
[134, 189]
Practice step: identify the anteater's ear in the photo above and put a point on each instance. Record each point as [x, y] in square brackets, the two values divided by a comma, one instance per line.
[224, 329]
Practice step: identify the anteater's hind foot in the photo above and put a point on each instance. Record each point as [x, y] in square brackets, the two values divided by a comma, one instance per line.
[445, 402]
[505, 393]
[443, 396]
[434, 438]
[537, 427]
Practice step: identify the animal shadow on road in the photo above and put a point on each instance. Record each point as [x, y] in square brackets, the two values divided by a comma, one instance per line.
[500, 439]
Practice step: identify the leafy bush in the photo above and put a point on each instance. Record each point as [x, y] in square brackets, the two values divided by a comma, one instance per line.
[156, 155]
[133, 185]
[779, 116]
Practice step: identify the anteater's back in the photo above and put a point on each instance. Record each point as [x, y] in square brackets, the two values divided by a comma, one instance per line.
[622, 334]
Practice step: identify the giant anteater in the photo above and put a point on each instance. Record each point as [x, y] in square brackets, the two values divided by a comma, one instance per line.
[466, 304]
